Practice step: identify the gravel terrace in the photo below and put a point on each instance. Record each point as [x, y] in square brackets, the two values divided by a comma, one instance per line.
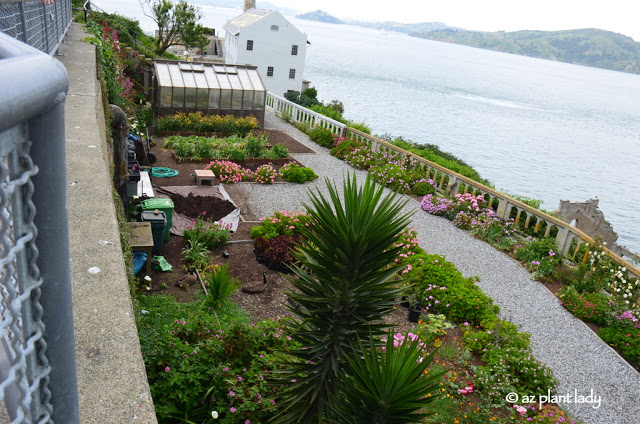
[581, 361]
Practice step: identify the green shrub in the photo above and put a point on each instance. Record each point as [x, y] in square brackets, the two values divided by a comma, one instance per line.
[441, 288]
[497, 334]
[624, 334]
[278, 151]
[329, 113]
[422, 187]
[279, 224]
[536, 250]
[322, 136]
[360, 126]
[255, 147]
[297, 174]
[343, 147]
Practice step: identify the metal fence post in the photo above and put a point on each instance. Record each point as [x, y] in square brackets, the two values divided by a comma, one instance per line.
[48, 153]
[36, 269]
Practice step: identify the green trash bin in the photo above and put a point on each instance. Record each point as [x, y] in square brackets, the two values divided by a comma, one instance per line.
[158, 221]
[164, 205]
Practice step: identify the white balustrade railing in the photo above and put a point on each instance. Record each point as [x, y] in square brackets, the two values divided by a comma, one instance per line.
[452, 182]
[293, 112]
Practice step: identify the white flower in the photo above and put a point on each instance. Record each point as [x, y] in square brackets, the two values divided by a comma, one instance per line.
[147, 278]
[214, 414]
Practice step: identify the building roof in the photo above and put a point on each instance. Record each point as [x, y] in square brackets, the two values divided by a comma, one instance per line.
[207, 75]
[246, 19]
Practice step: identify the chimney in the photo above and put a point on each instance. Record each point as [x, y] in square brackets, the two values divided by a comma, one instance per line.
[249, 4]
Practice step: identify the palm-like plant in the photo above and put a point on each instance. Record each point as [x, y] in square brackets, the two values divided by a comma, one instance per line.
[387, 387]
[349, 253]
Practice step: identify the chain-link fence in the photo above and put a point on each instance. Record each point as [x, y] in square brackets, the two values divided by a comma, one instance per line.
[40, 24]
[37, 359]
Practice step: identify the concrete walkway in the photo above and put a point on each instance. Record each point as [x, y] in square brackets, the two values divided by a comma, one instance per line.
[112, 382]
[581, 361]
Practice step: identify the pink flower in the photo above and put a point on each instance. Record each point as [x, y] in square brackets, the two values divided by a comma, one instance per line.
[166, 369]
[233, 409]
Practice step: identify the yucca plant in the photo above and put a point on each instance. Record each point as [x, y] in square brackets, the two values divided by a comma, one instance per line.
[342, 291]
[387, 386]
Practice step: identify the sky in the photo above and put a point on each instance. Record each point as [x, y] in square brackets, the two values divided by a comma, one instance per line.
[622, 16]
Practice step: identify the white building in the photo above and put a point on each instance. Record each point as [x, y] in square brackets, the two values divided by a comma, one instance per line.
[264, 38]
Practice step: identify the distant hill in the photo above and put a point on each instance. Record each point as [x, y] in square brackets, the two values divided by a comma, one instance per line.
[399, 27]
[590, 47]
[320, 16]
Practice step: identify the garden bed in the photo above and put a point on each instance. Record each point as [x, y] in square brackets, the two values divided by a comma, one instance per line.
[244, 266]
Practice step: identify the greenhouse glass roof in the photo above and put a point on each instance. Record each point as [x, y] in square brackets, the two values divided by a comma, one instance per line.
[208, 86]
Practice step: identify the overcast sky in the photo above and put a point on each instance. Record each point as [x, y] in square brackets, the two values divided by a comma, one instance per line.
[621, 16]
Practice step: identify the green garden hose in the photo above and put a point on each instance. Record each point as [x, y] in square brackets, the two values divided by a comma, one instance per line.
[163, 172]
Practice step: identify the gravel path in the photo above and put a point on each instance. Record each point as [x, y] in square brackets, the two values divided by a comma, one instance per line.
[581, 361]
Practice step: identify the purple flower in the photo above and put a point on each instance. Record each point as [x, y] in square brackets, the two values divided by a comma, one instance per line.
[233, 409]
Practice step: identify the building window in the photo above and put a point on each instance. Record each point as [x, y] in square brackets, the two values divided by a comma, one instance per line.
[269, 71]
[274, 27]
[292, 74]
[249, 44]
[294, 50]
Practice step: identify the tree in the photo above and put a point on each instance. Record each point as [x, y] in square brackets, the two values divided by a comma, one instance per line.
[177, 24]
[343, 289]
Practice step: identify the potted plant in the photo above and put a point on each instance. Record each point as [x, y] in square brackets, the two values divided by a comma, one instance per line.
[415, 309]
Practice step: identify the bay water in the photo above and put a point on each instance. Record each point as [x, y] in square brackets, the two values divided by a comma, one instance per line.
[532, 127]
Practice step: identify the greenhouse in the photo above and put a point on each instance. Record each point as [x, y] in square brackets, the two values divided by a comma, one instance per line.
[210, 88]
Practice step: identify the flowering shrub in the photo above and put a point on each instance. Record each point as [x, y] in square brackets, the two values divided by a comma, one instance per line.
[341, 147]
[512, 369]
[545, 266]
[624, 334]
[265, 174]
[197, 122]
[196, 366]
[283, 223]
[229, 172]
[362, 158]
[590, 307]
[206, 233]
[117, 65]
[498, 334]
[297, 174]
[393, 176]
[439, 206]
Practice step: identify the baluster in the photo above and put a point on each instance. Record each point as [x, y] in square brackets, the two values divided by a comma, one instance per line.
[548, 231]
[518, 215]
[575, 252]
